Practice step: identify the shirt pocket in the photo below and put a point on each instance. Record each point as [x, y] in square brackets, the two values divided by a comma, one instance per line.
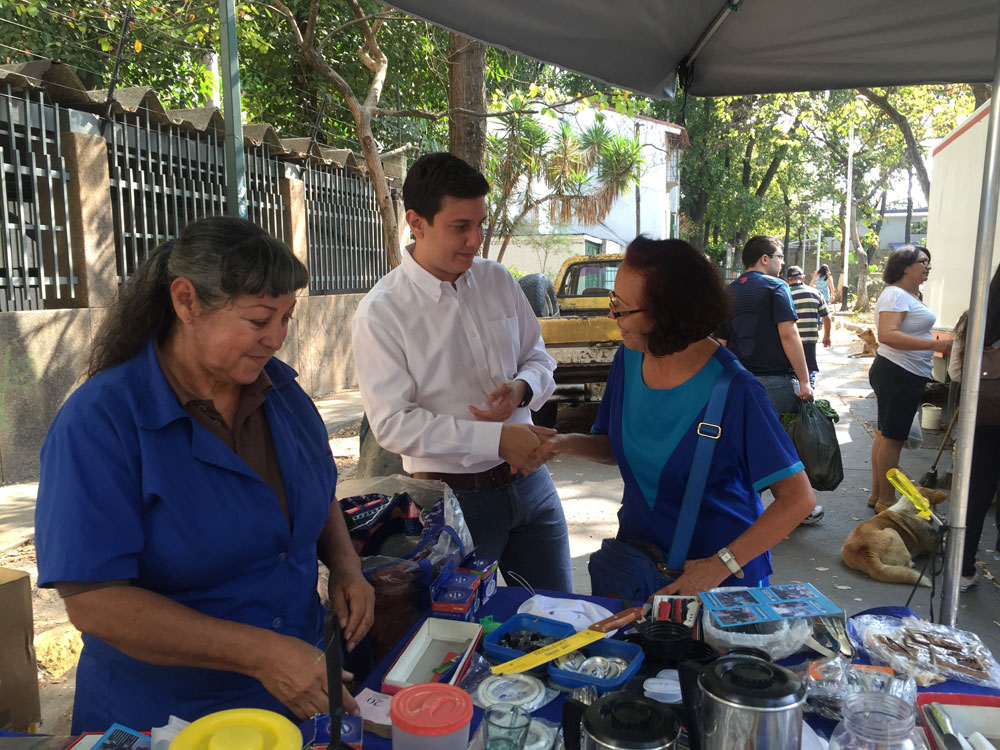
[506, 344]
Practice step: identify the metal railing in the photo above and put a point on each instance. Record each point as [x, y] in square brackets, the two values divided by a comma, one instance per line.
[35, 262]
[346, 249]
[163, 177]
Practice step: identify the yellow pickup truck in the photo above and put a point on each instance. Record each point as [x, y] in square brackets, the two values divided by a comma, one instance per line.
[576, 328]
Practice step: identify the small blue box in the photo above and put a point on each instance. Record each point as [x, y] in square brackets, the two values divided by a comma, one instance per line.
[455, 596]
[524, 621]
[486, 569]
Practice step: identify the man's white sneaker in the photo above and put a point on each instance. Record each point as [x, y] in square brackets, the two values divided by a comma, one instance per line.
[968, 582]
[815, 517]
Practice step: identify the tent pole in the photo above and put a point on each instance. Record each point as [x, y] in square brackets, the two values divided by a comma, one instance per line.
[975, 333]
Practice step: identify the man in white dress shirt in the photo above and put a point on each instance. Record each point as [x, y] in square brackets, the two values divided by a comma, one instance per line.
[450, 359]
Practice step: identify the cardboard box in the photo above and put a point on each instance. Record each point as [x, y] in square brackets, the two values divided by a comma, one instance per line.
[427, 650]
[20, 709]
[455, 595]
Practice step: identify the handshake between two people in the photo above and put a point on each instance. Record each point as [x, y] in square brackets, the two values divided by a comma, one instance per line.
[524, 446]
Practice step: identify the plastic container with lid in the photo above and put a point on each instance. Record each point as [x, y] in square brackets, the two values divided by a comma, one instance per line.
[430, 716]
[876, 720]
[239, 729]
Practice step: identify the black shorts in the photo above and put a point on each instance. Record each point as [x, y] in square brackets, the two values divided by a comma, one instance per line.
[898, 393]
[809, 349]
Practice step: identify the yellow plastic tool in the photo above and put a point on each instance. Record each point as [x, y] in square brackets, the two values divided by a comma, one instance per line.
[571, 643]
[909, 490]
[239, 729]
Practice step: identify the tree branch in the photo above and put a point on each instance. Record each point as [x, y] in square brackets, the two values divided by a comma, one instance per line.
[309, 36]
[281, 8]
[912, 148]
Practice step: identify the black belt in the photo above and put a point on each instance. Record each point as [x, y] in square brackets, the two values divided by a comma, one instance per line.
[498, 476]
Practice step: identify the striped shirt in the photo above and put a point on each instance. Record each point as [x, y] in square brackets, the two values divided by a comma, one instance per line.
[810, 307]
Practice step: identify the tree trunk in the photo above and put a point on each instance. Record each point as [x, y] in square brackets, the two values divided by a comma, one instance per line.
[912, 147]
[802, 244]
[787, 203]
[844, 243]
[467, 90]
[909, 205]
[981, 91]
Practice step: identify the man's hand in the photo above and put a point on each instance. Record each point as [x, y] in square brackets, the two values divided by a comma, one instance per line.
[503, 401]
[551, 447]
[518, 444]
[826, 341]
[353, 600]
[805, 392]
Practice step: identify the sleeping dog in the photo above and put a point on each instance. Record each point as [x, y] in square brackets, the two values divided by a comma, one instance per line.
[884, 546]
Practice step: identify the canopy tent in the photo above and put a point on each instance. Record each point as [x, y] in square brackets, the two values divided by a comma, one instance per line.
[768, 46]
[743, 47]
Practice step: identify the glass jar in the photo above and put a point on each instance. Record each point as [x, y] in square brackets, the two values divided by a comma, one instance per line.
[877, 721]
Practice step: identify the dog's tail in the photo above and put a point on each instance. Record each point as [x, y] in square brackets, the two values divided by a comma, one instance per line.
[868, 562]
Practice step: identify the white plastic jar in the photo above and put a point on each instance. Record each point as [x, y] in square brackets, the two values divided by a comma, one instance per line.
[430, 716]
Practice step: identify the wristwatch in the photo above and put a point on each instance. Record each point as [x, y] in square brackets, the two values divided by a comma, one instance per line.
[528, 395]
[730, 560]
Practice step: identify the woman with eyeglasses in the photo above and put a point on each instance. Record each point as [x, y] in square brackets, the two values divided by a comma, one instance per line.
[903, 363]
[667, 300]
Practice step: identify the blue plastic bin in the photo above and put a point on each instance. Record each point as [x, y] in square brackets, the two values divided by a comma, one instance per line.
[630, 652]
[543, 625]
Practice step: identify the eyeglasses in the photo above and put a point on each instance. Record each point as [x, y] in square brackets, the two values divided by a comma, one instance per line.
[614, 312]
[779, 256]
[925, 263]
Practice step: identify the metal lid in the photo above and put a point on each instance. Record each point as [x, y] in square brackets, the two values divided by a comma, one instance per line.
[631, 722]
[752, 682]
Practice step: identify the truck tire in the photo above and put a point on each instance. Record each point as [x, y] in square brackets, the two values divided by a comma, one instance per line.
[537, 287]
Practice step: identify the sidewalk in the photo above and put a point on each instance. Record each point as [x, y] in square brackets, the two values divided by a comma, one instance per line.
[17, 501]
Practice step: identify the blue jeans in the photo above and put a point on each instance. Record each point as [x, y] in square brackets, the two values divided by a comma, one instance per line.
[522, 525]
[779, 391]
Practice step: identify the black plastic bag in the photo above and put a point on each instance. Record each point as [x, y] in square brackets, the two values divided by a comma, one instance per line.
[815, 439]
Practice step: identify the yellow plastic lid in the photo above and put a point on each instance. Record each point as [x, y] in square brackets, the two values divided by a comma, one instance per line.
[239, 729]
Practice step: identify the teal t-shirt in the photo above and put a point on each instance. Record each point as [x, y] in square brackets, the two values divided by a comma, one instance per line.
[659, 417]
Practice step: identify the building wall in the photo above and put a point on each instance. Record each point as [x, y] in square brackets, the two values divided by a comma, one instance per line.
[545, 253]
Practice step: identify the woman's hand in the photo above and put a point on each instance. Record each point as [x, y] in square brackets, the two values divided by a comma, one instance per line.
[942, 345]
[554, 445]
[294, 672]
[698, 576]
[353, 600]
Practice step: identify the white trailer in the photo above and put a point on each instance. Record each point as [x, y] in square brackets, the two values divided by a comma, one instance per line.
[952, 219]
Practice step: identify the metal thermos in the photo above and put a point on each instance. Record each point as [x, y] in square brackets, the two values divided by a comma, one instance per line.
[747, 703]
[624, 721]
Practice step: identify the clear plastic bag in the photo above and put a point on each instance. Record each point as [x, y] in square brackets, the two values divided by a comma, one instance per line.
[829, 681]
[779, 638]
[927, 652]
[402, 582]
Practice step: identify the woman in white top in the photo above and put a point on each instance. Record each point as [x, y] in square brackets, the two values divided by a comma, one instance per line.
[903, 363]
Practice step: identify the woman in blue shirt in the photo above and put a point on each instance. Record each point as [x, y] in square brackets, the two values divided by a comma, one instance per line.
[667, 300]
[187, 490]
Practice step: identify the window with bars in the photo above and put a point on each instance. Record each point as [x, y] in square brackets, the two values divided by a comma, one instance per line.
[36, 267]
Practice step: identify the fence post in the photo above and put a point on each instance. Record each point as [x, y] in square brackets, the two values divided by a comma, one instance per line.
[89, 215]
[293, 194]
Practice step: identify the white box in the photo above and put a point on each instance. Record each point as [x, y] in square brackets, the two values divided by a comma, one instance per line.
[435, 639]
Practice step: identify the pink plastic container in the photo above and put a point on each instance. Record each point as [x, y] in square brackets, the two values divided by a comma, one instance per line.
[430, 716]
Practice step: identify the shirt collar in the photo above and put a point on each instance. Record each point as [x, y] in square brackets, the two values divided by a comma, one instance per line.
[163, 404]
[423, 279]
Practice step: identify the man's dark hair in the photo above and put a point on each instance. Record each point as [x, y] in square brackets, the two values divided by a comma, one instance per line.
[682, 293]
[433, 176]
[758, 246]
[901, 259]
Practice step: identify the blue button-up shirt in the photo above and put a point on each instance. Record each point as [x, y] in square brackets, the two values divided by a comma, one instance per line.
[132, 488]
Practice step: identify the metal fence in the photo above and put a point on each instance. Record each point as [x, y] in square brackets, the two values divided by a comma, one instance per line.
[35, 262]
[163, 177]
[346, 249]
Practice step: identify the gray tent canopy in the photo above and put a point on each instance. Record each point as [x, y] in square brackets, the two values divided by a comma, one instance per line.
[770, 46]
[742, 47]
